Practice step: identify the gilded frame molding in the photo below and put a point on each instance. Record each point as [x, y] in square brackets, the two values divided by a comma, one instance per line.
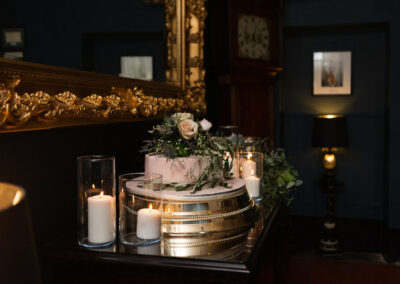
[185, 24]
[34, 96]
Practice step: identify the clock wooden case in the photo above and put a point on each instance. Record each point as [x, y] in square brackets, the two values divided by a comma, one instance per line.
[244, 56]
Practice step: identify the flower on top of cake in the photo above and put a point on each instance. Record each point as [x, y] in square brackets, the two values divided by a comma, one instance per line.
[182, 150]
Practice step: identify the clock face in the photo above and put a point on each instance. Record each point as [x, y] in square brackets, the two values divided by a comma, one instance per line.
[253, 37]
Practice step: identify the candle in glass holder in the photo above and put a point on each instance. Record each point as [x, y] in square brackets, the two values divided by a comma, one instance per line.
[148, 223]
[101, 218]
[248, 167]
[252, 185]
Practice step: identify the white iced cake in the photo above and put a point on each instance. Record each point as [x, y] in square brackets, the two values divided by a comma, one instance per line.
[183, 169]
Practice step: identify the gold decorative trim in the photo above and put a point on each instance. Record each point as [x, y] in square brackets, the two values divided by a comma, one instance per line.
[207, 217]
[185, 24]
[16, 110]
[203, 242]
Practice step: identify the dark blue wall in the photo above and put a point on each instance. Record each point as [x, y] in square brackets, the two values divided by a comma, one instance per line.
[54, 29]
[357, 26]
[54, 32]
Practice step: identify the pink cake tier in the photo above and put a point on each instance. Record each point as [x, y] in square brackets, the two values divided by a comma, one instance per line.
[185, 169]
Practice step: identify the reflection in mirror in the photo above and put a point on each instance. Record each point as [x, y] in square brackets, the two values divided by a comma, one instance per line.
[55, 32]
[136, 55]
[41, 96]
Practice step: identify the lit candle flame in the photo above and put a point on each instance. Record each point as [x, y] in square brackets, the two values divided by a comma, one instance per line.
[101, 194]
[151, 206]
[249, 155]
[93, 186]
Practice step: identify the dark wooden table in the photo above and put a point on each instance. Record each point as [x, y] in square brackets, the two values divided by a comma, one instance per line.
[263, 258]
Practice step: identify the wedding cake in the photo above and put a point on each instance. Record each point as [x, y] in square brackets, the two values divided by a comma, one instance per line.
[183, 169]
[205, 210]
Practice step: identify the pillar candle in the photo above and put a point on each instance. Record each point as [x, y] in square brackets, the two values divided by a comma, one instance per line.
[248, 166]
[101, 219]
[253, 186]
[148, 223]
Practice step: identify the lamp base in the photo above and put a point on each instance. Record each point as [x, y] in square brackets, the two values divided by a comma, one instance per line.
[329, 243]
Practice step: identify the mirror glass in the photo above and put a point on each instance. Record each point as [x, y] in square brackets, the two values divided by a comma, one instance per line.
[88, 35]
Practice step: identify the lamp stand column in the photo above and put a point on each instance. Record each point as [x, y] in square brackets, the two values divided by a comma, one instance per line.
[329, 243]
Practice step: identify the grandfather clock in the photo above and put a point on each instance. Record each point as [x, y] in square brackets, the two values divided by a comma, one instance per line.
[243, 55]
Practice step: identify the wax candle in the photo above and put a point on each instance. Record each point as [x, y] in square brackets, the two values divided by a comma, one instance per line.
[247, 167]
[253, 185]
[148, 223]
[101, 218]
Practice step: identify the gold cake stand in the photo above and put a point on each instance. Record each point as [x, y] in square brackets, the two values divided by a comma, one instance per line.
[204, 223]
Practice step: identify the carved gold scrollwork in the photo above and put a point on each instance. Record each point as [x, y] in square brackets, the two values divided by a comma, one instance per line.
[191, 50]
[195, 62]
[194, 38]
[16, 110]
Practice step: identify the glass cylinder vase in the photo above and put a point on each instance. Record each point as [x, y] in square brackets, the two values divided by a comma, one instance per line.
[251, 171]
[252, 144]
[140, 208]
[96, 200]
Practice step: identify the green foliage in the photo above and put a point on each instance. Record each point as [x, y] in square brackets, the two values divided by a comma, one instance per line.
[280, 177]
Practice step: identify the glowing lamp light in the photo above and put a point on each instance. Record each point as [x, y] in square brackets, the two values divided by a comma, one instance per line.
[329, 133]
[329, 161]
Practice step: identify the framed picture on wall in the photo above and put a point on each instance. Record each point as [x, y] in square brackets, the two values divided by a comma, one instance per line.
[332, 73]
[137, 67]
[14, 55]
[12, 37]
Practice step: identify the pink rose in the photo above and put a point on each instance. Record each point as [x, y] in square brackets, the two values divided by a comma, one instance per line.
[188, 128]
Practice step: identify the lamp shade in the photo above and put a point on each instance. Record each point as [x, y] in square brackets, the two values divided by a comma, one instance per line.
[18, 257]
[330, 131]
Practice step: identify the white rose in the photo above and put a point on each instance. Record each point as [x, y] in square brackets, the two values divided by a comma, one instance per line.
[182, 116]
[188, 128]
[205, 124]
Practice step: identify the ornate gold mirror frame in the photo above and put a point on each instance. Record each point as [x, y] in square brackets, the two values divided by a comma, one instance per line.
[35, 96]
[185, 23]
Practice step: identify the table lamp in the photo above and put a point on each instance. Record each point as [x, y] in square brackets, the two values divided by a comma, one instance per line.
[18, 257]
[329, 133]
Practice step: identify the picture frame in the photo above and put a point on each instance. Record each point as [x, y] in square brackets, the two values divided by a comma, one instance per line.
[14, 55]
[332, 73]
[137, 67]
[12, 37]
